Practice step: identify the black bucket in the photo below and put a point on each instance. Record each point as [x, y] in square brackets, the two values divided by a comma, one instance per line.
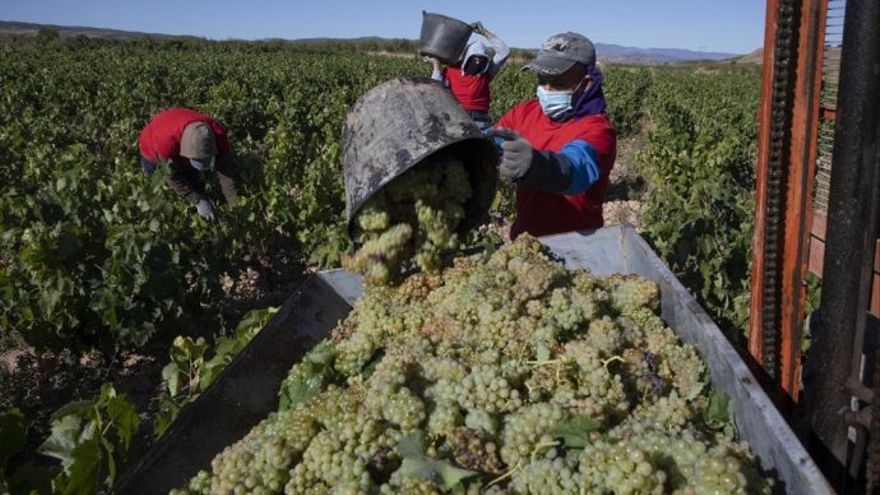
[443, 38]
[400, 123]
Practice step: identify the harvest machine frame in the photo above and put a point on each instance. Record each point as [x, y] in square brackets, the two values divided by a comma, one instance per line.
[821, 63]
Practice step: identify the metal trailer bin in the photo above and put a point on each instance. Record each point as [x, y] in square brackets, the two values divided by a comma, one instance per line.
[247, 390]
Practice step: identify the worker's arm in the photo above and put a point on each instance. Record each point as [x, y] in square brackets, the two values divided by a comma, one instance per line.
[502, 51]
[180, 182]
[437, 72]
[570, 171]
[226, 176]
[190, 188]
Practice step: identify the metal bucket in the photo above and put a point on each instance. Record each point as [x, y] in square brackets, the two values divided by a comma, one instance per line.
[397, 125]
[443, 38]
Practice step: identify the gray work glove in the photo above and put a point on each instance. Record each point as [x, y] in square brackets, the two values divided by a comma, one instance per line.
[517, 154]
[205, 210]
[522, 164]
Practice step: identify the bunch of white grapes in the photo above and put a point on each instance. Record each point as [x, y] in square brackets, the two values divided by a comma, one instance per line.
[412, 219]
[501, 374]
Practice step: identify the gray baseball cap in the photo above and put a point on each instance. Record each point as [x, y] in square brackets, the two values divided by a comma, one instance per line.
[198, 141]
[560, 51]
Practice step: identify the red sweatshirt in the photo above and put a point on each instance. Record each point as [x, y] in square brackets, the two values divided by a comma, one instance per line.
[160, 139]
[472, 92]
[542, 213]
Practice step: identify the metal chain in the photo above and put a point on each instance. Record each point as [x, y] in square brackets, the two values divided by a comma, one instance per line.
[782, 96]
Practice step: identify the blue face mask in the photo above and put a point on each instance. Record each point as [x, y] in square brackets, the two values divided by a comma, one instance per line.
[555, 104]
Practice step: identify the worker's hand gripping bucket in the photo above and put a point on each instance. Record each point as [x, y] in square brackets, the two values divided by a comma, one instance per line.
[396, 126]
[443, 38]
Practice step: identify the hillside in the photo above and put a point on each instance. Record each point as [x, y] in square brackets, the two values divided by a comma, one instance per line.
[653, 56]
[755, 57]
[609, 53]
[31, 29]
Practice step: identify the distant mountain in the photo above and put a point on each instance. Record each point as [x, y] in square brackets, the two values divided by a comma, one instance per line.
[31, 29]
[755, 57]
[617, 54]
[362, 39]
[609, 53]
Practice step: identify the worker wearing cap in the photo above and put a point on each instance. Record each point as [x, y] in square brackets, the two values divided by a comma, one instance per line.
[559, 148]
[469, 80]
[190, 143]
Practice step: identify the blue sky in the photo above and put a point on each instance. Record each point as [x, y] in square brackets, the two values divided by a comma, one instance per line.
[715, 25]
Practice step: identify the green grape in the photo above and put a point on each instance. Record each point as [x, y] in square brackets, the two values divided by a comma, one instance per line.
[379, 259]
[403, 408]
[523, 430]
[410, 486]
[373, 219]
[444, 416]
[547, 476]
[478, 419]
[413, 218]
[490, 357]
[486, 388]
[622, 468]
[631, 292]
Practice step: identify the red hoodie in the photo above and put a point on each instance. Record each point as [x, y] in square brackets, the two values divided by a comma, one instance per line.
[472, 92]
[542, 213]
[160, 139]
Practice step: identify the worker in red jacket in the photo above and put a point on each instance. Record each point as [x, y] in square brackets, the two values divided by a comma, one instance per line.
[469, 80]
[559, 148]
[190, 143]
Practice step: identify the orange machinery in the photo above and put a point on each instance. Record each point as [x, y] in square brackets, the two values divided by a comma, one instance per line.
[817, 210]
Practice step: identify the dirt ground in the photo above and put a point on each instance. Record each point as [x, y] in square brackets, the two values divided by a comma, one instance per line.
[623, 198]
[40, 384]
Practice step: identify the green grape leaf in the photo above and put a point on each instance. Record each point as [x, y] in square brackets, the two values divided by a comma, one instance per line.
[185, 349]
[575, 432]
[295, 392]
[84, 474]
[111, 460]
[412, 444]
[441, 473]
[719, 413]
[317, 367]
[63, 440]
[124, 416]
[13, 434]
[255, 320]
[211, 370]
[171, 376]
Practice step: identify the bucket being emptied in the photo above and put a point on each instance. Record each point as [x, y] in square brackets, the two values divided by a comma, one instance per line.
[443, 37]
[401, 123]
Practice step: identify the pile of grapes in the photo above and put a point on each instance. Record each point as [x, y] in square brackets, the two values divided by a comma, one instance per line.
[413, 218]
[502, 374]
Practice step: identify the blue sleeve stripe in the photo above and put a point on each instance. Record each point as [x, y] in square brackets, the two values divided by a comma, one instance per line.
[584, 162]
